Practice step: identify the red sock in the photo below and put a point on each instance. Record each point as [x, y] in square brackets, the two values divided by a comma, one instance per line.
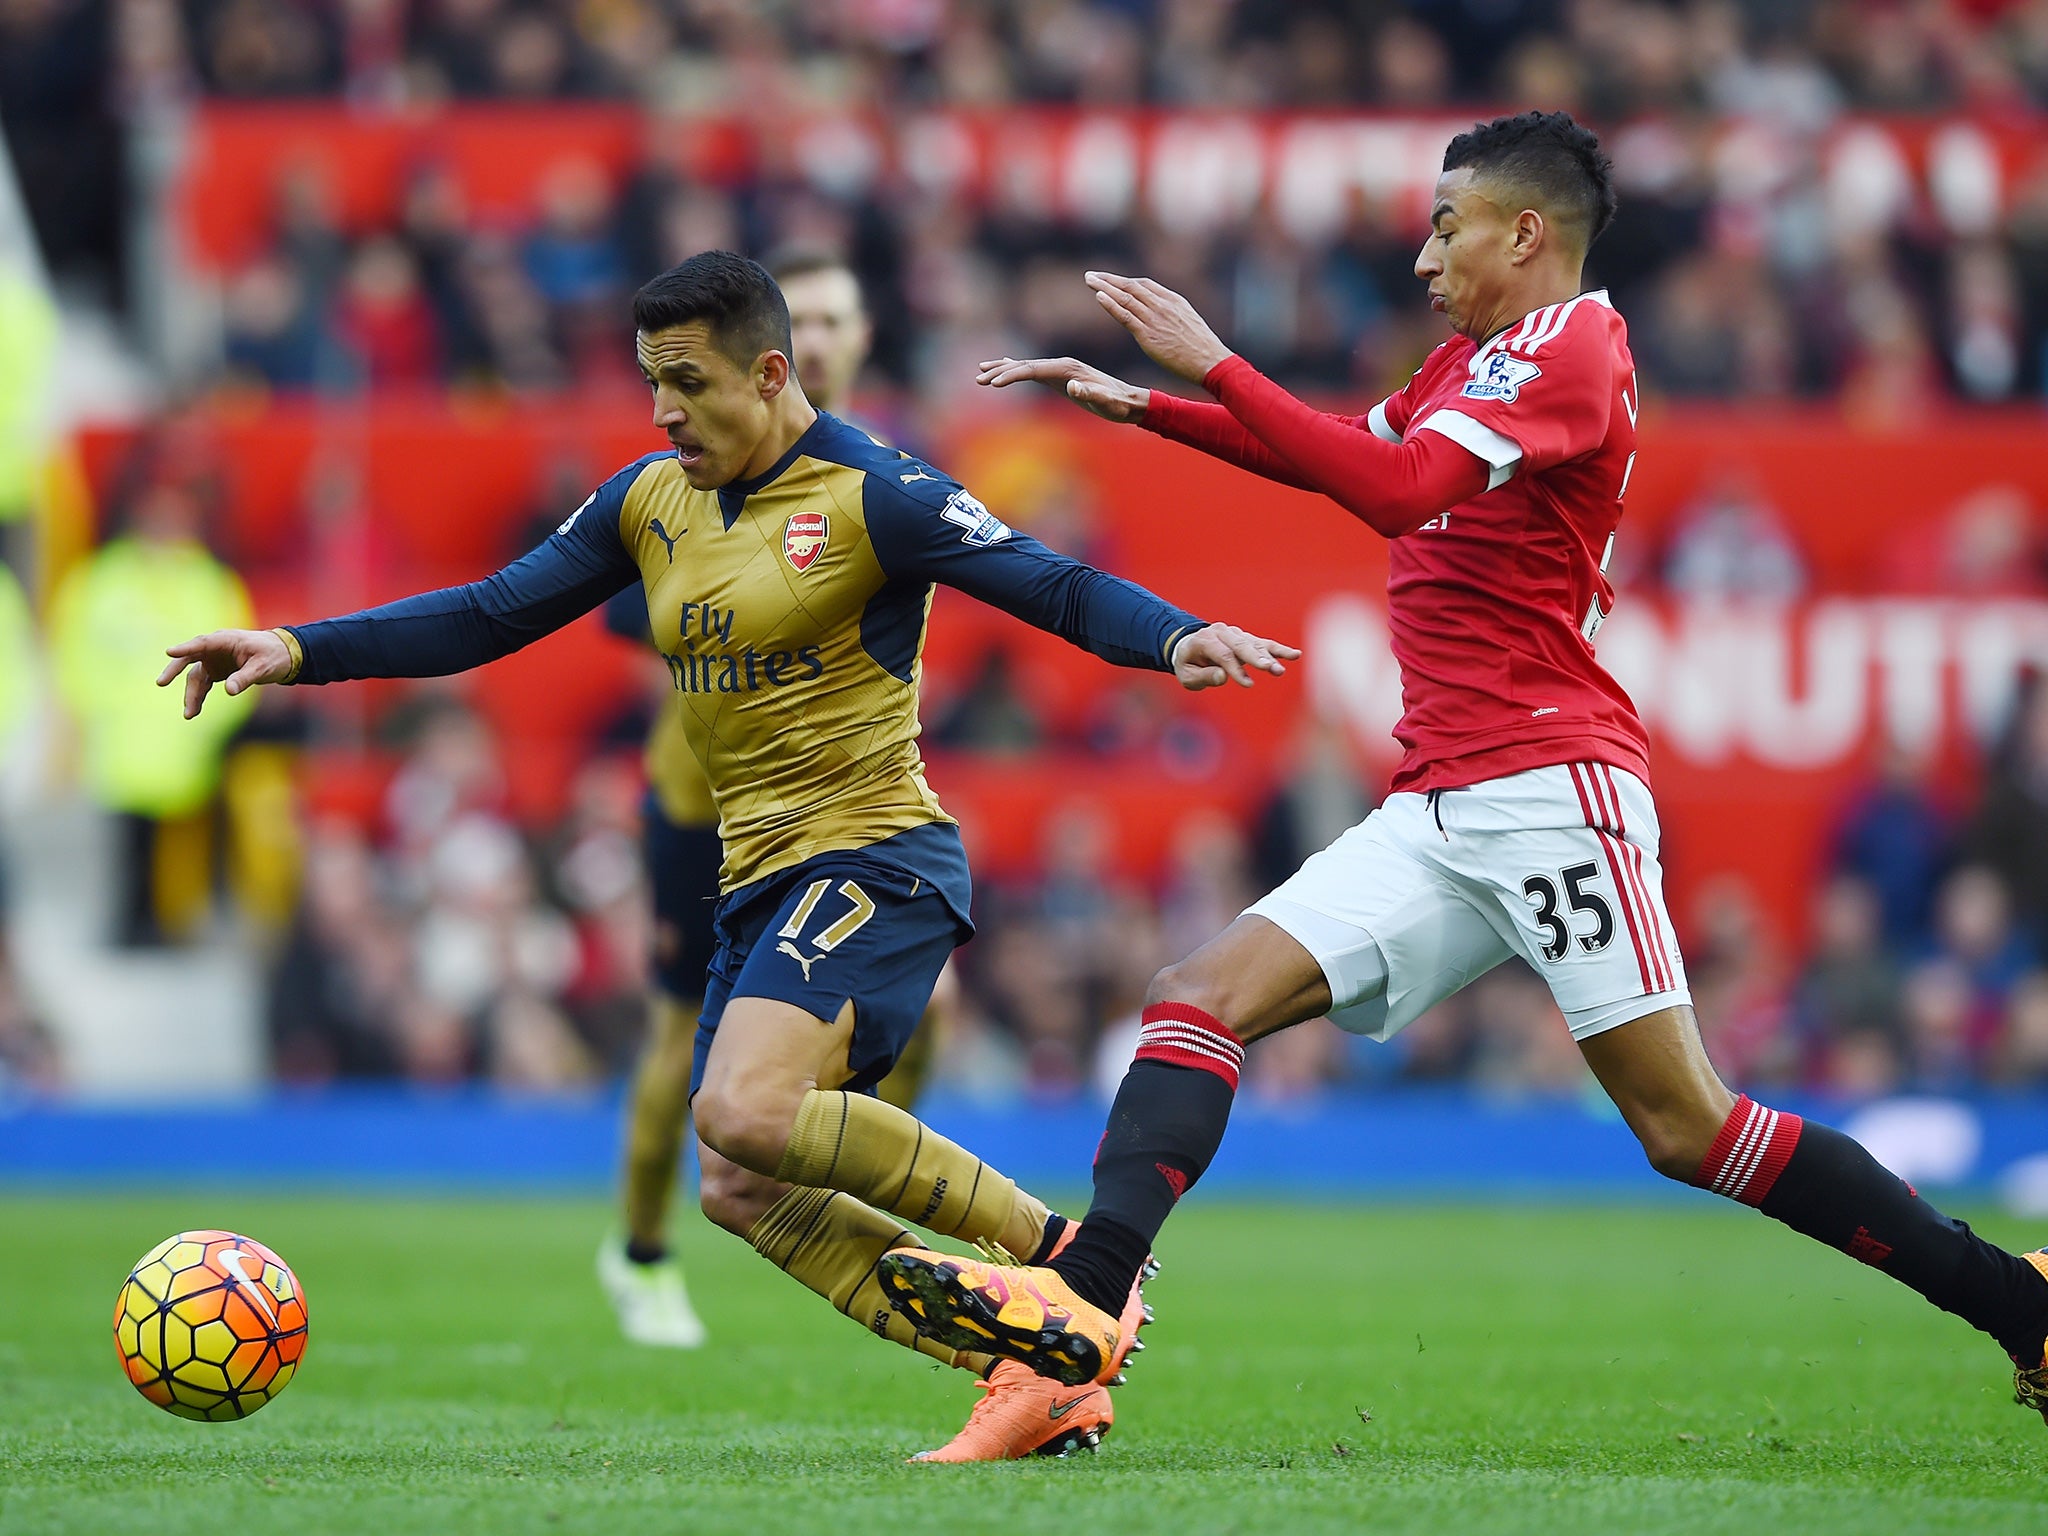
[1182, 1035]
[1753, 1148]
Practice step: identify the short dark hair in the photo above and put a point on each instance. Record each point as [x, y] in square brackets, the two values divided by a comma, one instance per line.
[735, 296]
[1550, 156]
[803, 258]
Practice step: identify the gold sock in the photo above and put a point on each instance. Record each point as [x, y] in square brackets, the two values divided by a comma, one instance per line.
[879, 1154]
[830, 1241]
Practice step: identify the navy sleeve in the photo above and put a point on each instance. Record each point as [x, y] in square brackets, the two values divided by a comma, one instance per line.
[577, 567]
[932, 530]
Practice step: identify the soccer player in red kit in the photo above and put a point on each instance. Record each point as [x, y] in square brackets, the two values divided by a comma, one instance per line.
[1520, 821]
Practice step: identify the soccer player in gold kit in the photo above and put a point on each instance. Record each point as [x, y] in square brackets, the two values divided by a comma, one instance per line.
[789, 563]
[830, 334]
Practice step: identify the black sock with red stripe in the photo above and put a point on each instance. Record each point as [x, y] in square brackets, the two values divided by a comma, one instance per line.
[1164, 1127]
[1824, 1184]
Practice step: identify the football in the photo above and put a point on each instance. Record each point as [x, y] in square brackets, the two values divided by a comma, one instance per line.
[210, 1325]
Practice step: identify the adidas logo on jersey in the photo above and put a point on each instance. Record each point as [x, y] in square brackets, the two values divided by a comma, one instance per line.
[1501, 377]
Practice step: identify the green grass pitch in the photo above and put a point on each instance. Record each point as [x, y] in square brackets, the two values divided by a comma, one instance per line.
[1314, 1368]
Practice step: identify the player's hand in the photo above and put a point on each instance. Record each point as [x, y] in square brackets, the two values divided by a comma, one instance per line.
[1164, 324]
[234, 658]
[1090, 388]
[1220, 653]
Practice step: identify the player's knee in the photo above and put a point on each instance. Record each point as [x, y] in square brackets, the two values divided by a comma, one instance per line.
[741, 1126]
[1186, 982]
[1674, 1146]
[731, 1198]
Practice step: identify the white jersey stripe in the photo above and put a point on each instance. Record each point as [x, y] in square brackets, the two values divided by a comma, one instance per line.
[1530, 325]
[1556, 324]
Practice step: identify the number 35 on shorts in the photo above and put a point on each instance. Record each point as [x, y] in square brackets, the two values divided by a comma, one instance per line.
[1585, 915]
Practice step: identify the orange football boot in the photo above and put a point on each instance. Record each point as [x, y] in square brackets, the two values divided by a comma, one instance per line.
[1023, 1414]
[1019, 1312]
[2030, 1383]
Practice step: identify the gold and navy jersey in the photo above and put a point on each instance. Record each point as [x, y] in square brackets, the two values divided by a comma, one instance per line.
[791, 610]
[673, 772]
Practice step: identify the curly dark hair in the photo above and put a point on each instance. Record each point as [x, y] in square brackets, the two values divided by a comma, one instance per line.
[1547, 155]
[733, 295]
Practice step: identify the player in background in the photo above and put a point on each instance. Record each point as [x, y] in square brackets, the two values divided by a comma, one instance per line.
[789, 563]
[1521, 820]
[830, 335]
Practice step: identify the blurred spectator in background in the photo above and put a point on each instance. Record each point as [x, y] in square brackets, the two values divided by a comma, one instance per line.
[491, 954]
[1849, 986]
[59, 113]
[1736, 970]
[341, 1003]
[2009, 833]
[591, 872]
[1895, 839]
[155, 772]
[1319, 797]
[384, 320]
[28, 1057]
[1732, 546]
[1973, 933]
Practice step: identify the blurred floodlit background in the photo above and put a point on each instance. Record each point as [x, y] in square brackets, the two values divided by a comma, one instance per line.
[311, 303]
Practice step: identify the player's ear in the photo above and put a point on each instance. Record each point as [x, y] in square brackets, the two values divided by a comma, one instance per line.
[1530, 235]
[772, 374]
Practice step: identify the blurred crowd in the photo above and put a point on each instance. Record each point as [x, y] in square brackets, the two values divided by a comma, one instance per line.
[1927, 965]
[426, 927]
[442, 941]
[439, 937]
[1745, 271]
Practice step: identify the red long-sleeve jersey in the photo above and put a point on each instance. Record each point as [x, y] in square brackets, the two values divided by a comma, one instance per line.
[1497, 473]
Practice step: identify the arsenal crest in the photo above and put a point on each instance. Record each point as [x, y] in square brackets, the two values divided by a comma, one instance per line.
[803, 539]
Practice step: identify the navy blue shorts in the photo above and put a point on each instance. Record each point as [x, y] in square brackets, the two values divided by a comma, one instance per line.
[839, 926]
[682, 867]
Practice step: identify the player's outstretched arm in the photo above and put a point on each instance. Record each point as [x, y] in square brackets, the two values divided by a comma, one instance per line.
[1392, 487]
[234, 658]
[931, 530]
[1098, 393]
[1197, 423]
[583, 563]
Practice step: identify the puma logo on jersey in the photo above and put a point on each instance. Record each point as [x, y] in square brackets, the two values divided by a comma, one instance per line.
[668, 539]
[916, 475]
[806, 961]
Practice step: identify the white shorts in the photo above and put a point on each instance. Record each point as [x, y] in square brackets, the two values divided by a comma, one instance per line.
[1557, 865]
